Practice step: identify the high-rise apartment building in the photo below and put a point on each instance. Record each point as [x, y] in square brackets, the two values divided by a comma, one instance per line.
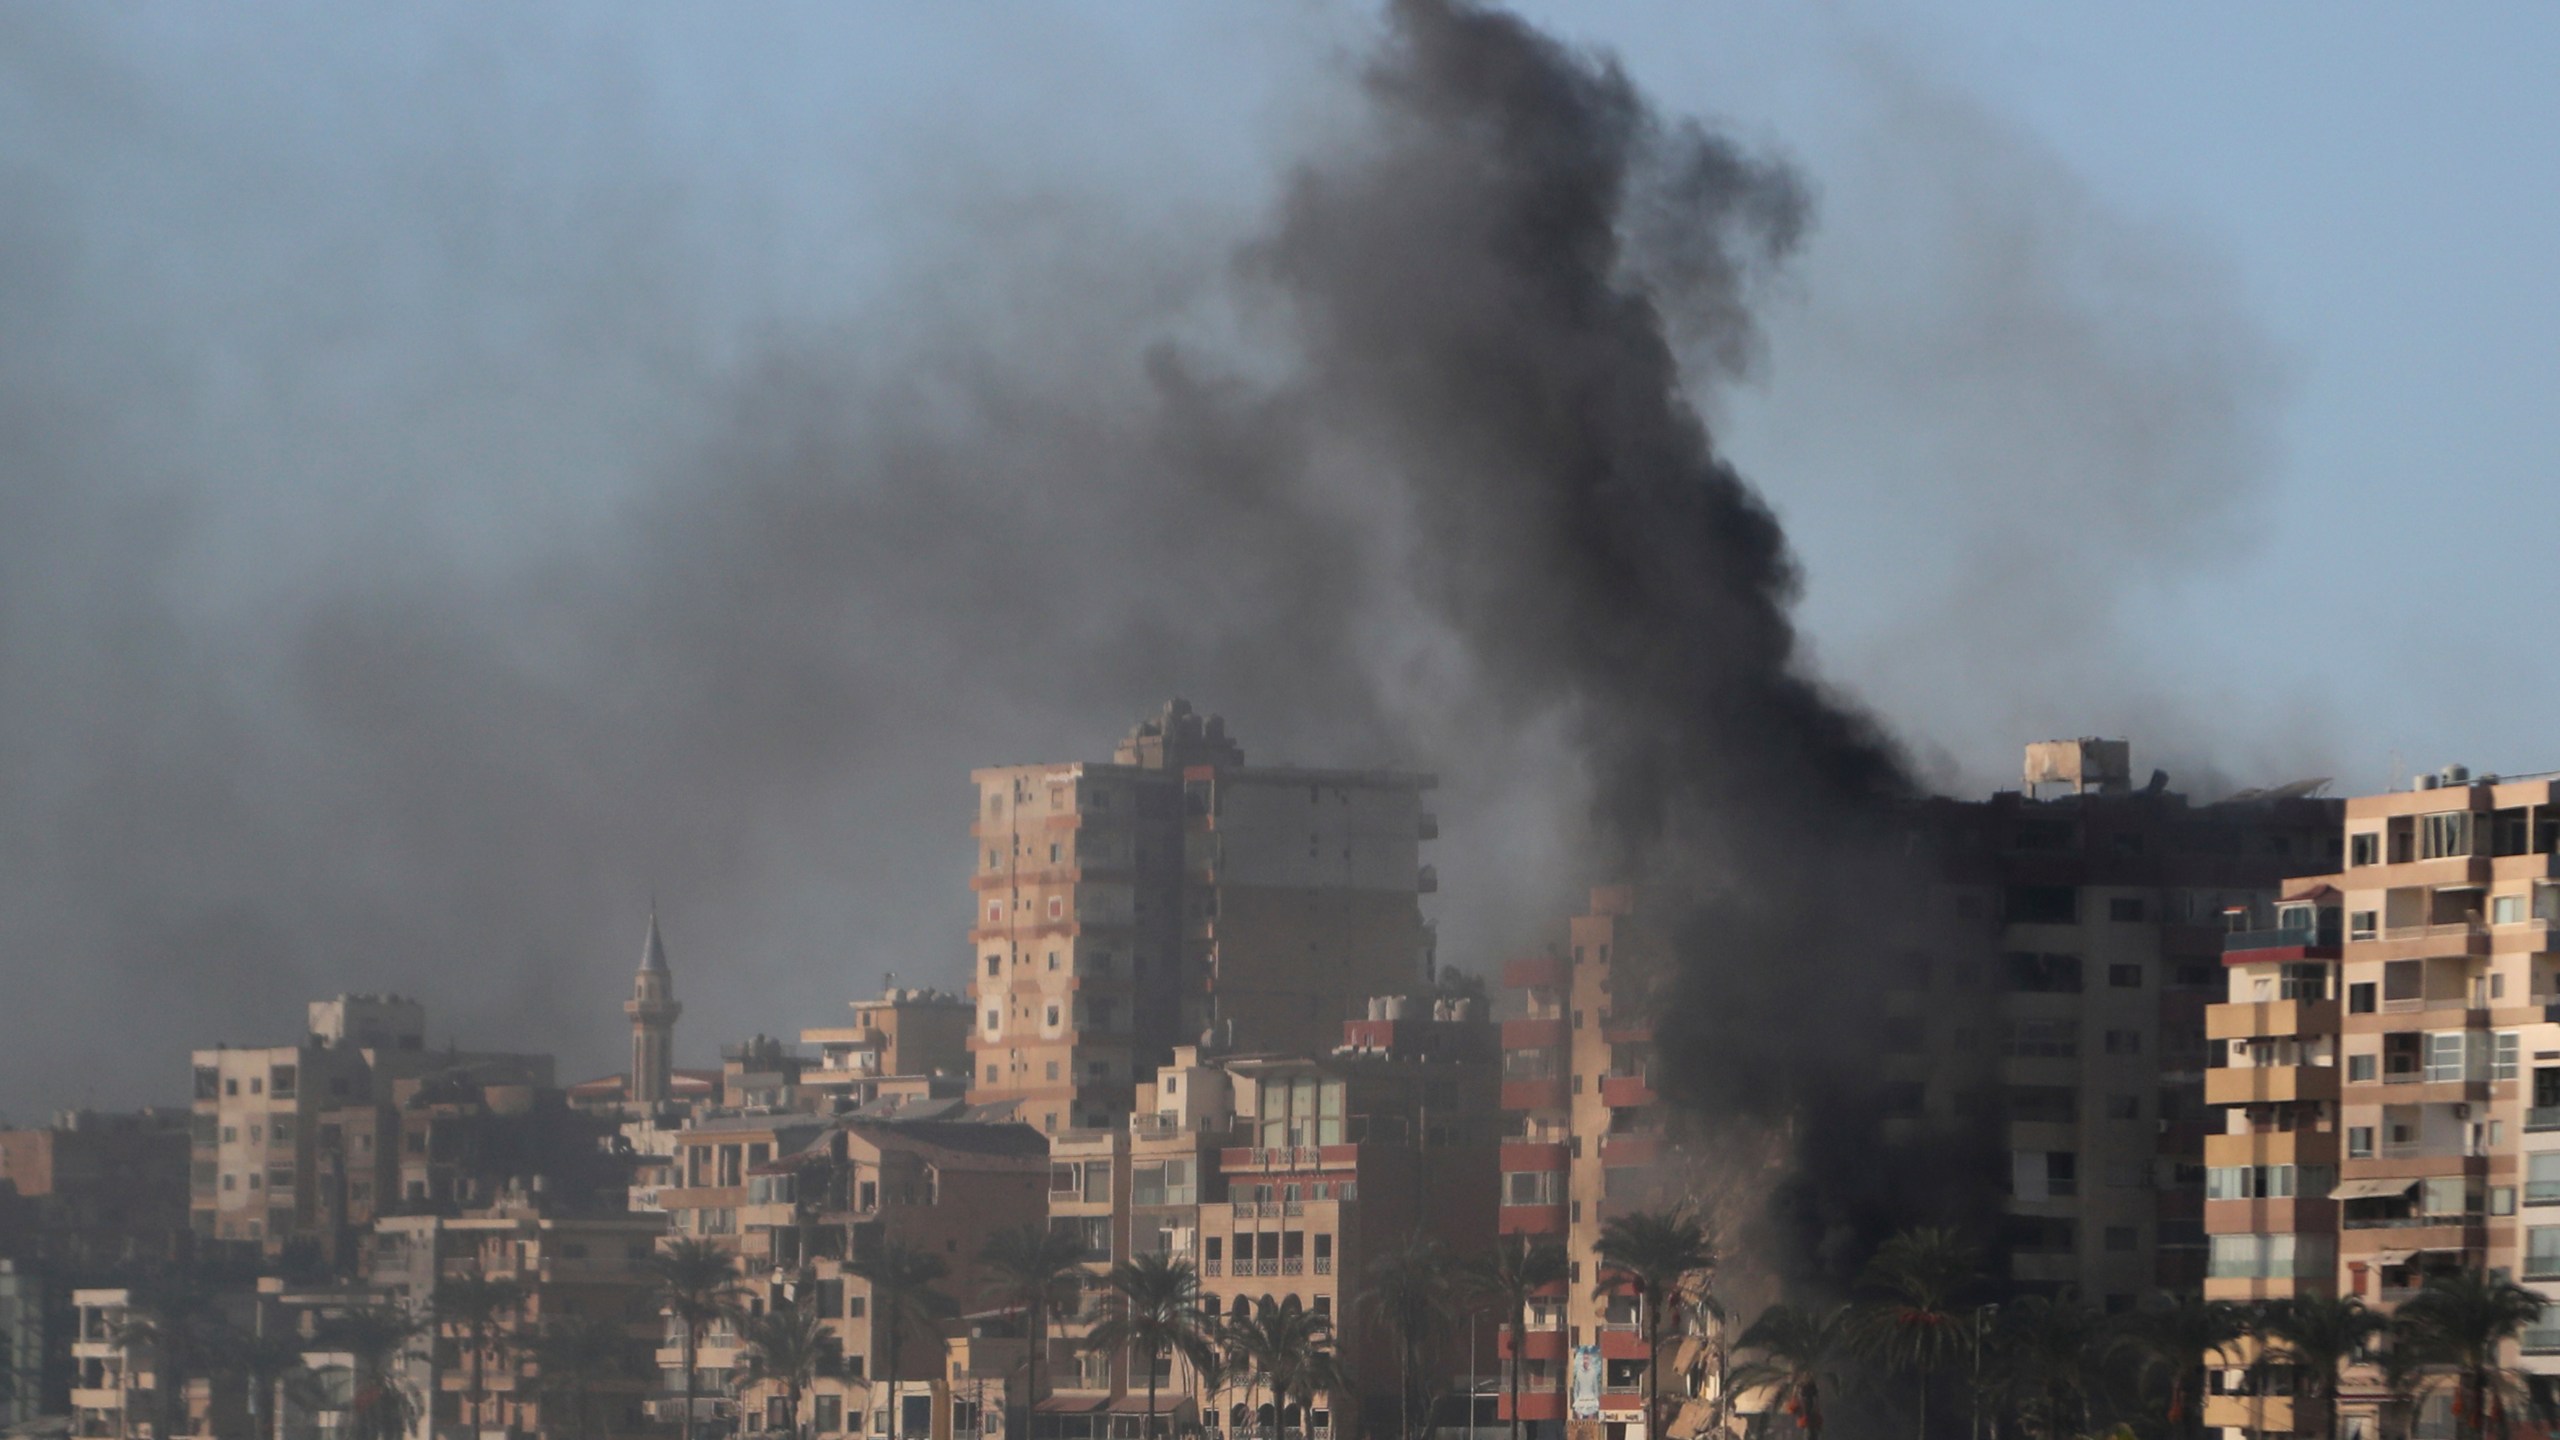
[1585, 1144]
[2099, 913]
[2055, 986]
[1126, 908]
[2389, 1076]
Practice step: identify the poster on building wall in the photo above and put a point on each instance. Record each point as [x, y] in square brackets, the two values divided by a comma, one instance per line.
[1586, 1382]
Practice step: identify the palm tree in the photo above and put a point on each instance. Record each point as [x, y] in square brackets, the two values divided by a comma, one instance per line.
[2041, 1368]
[263, 1363]
[1917, 1321]
[574, 1356]
[377, 1340]
[1504, 1280]
[475, 1304]
[1655, 1254]
[1407, 1293]
[1039, 1271]
[1286, 1350]
[903, 1298]
[787, 1346]
[694, 1284]
[1155, 1312]
[2178, 1340]
[2321, 1335]
[174, 1316]
[2461, 1321]
[1798, 1350]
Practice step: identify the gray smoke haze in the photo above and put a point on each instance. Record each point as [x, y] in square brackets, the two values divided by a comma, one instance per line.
[442, 509]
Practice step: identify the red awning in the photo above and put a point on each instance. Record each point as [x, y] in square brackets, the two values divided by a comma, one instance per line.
[1074, 1404]
[1167, 1402]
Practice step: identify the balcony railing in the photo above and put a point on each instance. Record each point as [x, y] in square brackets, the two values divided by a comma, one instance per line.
[1291, 1265]
[2281, 937]
[2409, 1222]
[1324, 1264]
[2542, 1341]
[2542, 1117]
[1266, 1267]
[2542, 1192]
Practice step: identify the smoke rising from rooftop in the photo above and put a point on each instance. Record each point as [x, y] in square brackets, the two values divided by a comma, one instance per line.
[428, 535]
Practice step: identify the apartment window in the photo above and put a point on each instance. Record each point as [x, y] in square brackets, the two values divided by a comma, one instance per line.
[2445, 833]
[2364, 848]
[2040, 905]
[2034, 973]
[1053, 1070]
[2360, 1068]
[2126, 910]
[2062, 1172]
[2546, 901]
[2124, 1042]
[2359, 1142]
[2125, 977]
[2042, 1104]
[2542, 1178]
[2506, 910]
[2360, 999]
[995, 965]
[1533, 1187]
[2542, 1252]
[1053, 1015]
[2040, 1039]
[2124, 1107]
[2506, 1055]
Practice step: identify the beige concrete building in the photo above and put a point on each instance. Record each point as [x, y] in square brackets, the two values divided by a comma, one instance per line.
[2398, 1017]
[802, 1201]
[1283, 1179]
[1126, 908]
[568, 1266]
[903, 1044]
[258, 1124]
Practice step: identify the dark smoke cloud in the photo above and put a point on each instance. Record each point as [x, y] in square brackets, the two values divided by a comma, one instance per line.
[421, 544]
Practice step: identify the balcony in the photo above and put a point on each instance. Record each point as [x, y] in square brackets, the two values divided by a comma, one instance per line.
[1532, 1219]
[1536, 1034]
[2248, 1020]
[2293, 942]
[1534, 1155]
[1547, 1093]
[1619, 1091]
[1630, 1149]
[1535, 972]
[2269, 1084]
[2417, 942]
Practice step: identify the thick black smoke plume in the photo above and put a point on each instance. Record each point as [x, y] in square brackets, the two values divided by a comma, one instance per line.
[1488, 294]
